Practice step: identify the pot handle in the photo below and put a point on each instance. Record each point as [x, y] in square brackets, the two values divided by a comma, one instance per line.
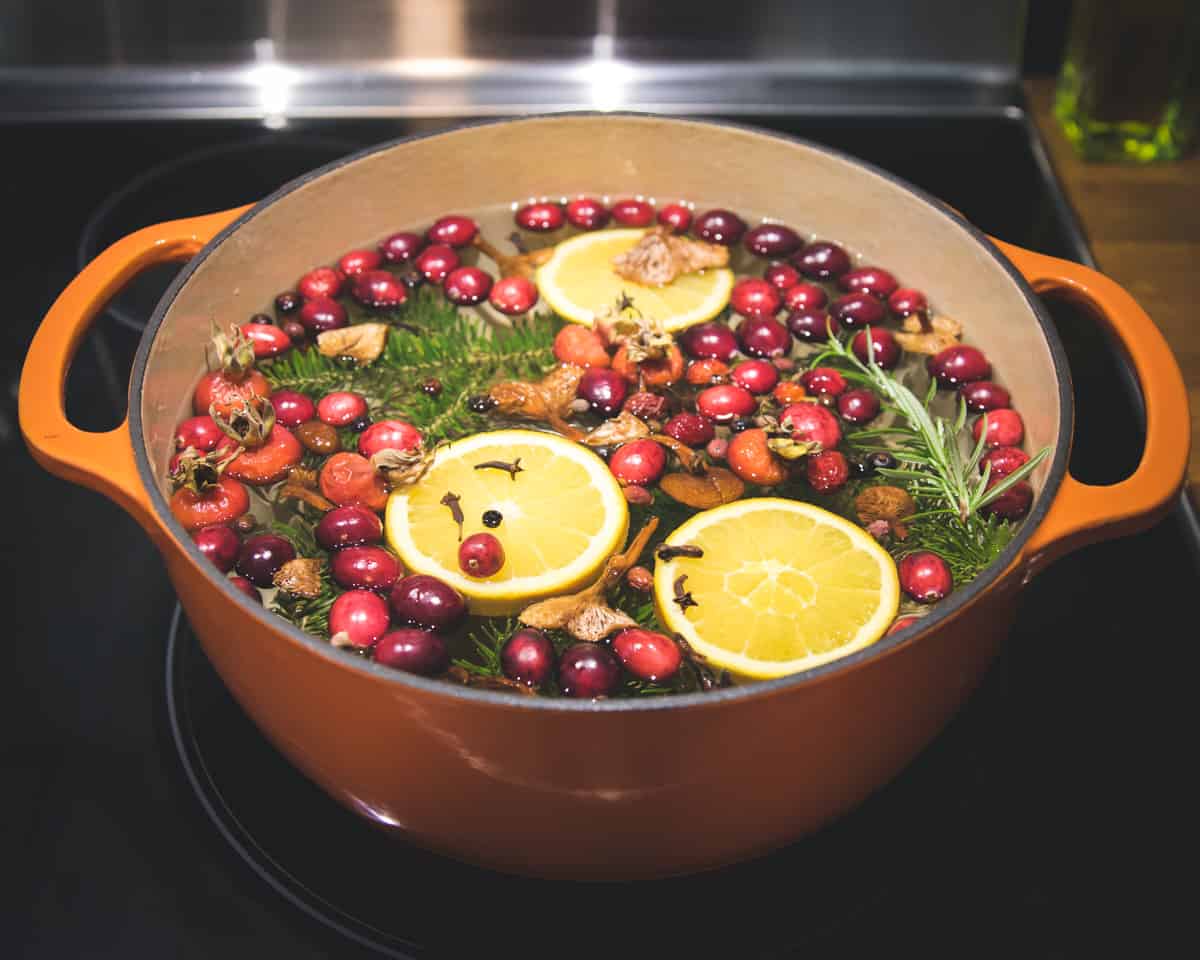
[1085, 513]
[105, 462]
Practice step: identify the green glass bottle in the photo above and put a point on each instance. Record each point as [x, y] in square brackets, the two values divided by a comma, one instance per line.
[1128, 86]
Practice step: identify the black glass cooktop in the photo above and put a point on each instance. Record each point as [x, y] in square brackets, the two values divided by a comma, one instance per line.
[145, 816]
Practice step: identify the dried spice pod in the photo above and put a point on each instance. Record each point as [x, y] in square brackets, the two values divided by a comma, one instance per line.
[514, 265]
[921, 334]
[295, 491]
[482, 681]
[300, 577]
[361, 342]
[890, 505]
[703, 491]
[689, 459]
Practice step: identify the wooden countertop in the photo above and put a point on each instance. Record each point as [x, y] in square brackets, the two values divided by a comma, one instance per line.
[1143, 225]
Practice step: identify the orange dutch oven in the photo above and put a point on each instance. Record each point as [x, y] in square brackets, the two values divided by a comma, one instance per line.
[664, 785]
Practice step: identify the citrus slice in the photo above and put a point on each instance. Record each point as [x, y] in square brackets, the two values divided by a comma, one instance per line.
[781, 586]
[578, 281]
[562, 515]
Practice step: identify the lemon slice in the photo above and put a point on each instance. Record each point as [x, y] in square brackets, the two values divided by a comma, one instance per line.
[782, 586]
[578, 280]
[563, 515]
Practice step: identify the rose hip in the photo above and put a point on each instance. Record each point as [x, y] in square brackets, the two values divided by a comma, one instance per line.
[812, 423]
[360, 615]
[757, 376]
[388, 435]
[640, 461]
[752, 460]
[704, 373]
[581, 346]
[1004, 428]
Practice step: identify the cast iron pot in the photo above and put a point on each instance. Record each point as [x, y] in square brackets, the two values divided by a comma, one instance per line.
[615, 789]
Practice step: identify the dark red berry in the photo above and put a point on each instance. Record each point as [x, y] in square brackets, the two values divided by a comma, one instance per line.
[364, 568]
[413, 650]
[481, 555]
[906, 301]
[822, 261]
[983, 395]
[200, 432]
[604, 389]
[858, 406]
[873, 280]
[361, 616]
[646, 654]
[677, 216]
[220, 544]
[467, 286]
[1004, 428]
[709, 341]
[812, 324]
[719, 226]
[857, 310]
[322, 313]
[267, 339]
[349, 526]
[431, 387]
[925, 577]
[321, 282]
[882, 346]
[772, 240]
[528, 657]
[379, 290]
[513, 295]
[782, 276]
[588, 671]
[805, 296]
[1003, 460]
[246, 587]
[261, 557]
[292, 408]
[824, 380]
[640, 461]
[690, 428]
[764, 337]
[401, 247]
[752, 297]
[428, 602]
[633, 213]
[360, 261]
[453, 231]
[725, 403]
[958, 365]
[295, 331]
[811, 423]
[435, 263]
[757, 376]
[1013, 503]
[341, 408]
[587, 213]
[646, 405]
[541, 217]
[827, 471]
[288, 302]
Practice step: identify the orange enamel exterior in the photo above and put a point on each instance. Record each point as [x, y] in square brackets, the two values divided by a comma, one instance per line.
[661, 788]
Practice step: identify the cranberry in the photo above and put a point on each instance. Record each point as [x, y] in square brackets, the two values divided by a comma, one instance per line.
[873, 280]
[246, 587]
[822, 261]
[413, 650]
[646, 654]
[541, 217]
[528, 656]
[882, 345]
[764, 337]
[858, 406]
[824, 380]
[902, 622]
[812, 423]
[513, 295]
[435, 263]
[261, 557]
[288, 302]
[925, 577]
[677, 216]
[341, 408]
[292, 408]
[361, 615]
[725, 403]
[587, 213]
[719, 226]
[805, 296]
[983, 395]
[1013, 503]
[467, 286]
[855, 310]
[772, 240]
[480, 555]
[322, 313]
[827, 471]
[752, 297]
[639, 461]
[401, 247]
[220, 544]
[906, 301]
[453, 231]
[812, 324]
[360, 261]
[959, 364]
[588, 671]
[709, 340]
[633, 213]
[365, 568]
[379, 290]
[200, 432]
[388, 435]
[348, 526]
[1004, 428]
[1003, 460]
[428, 602]
[267, 339]
[757, 376]
[689, 428]
[321, 282]
[782, 276]
[604, 390]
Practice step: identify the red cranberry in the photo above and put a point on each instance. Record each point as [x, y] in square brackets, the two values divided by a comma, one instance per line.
[902, 622]
[541, 217]
[359, 261]
[805, 296]
[292, 408]
[321, 282]
[764, 337]
[690, 429]
[364, 568]
[1003, 460]
[388, 435]
[633, 213]
[200, 432]
[812, 324]
[220, 544]
[855, 310]
[288, 302]
[983, 395]
[428, 602]
[245, 586]
[341, 408]
[361, 615]
[587, 213]
[349, 526]
[812, 423]
[604, 390]
[379, 290]
[1013, 503]
[322, 313]
[1004, 428]
[822, 260]
[752, 297]
[413, 650]
[677, 216]
[719, 226]
[827, 471]
[783, 277]
[824, 380]
[646, 654]
[401, 247]
[959, 364]
[513, 295]
[435, 263]
[772, 240]
[883, 346]
[267, 339]
[588, 671]
[906, 301]
[261, 557]
[528, 657]
[453, 231]
[709, 341]
[639, 461]
[481, 555]
[467, 286]
[925, 577]
[858, 406]
[873, 280]
[757, 376]
[725, 403]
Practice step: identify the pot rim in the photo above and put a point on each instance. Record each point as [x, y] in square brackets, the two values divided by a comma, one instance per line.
[884, 646]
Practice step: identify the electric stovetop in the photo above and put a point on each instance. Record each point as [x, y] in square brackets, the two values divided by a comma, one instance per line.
[145, 816]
